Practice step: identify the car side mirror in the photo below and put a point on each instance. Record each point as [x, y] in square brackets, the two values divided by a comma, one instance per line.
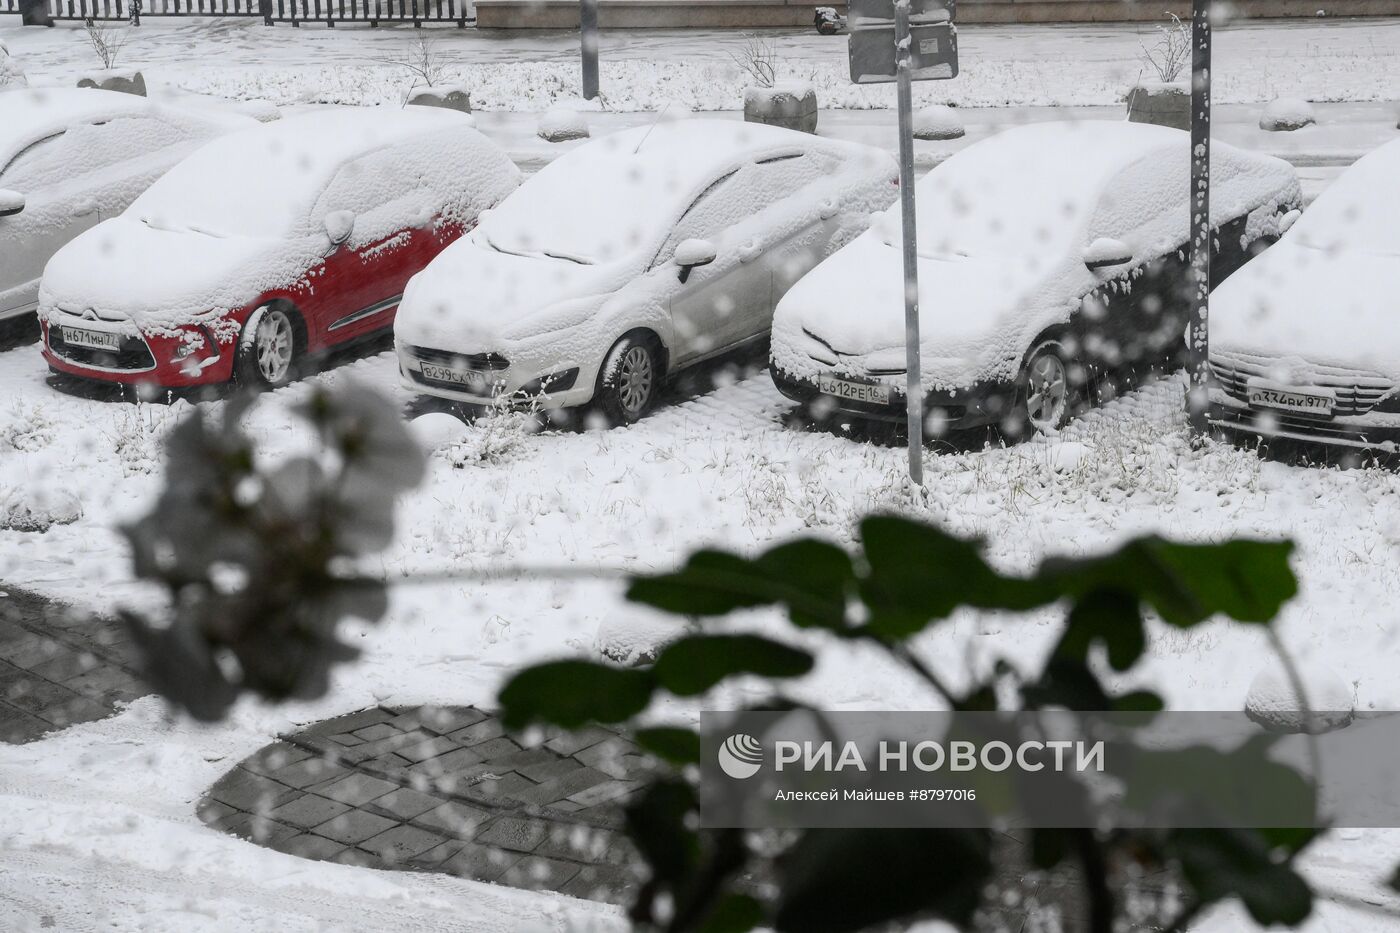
[692, 253]
[1288, 220]
[339, 226]
[11, 202]
[1105, 252]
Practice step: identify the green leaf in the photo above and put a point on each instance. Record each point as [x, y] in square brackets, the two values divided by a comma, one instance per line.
[712, 583]
[1225, 863]
[1066, 682]
[822, 571]
[672, 743]
[736, 913]
[656, 824]
[919, 573]
[1110, 616]
[811, 578]
[696, 663]
[838, 880]
[1187, 583]
[573, 693]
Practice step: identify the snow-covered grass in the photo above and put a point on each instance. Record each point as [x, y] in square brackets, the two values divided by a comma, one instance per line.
[1322, 60]
[718, 469]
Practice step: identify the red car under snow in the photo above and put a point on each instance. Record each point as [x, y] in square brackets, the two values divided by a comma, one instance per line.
[266, 246]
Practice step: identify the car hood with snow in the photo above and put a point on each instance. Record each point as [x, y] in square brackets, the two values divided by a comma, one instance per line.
[1004, 228]
[1326, 292]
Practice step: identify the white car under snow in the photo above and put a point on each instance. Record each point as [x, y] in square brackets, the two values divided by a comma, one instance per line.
[1046, 254]
[72, 157]
[631, 257]
[1305, 340]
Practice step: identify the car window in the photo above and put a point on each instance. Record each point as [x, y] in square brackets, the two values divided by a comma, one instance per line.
[367, 185]
[742, 194]
[92, 148]
[23, 165]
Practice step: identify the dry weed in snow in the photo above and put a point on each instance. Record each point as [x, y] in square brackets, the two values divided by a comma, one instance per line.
[495, 437]
[26, 428]
[138, 438]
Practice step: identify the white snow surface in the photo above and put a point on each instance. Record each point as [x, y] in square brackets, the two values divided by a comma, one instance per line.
[1002, 228]
[244, 215]
[99, 819]
[1326, 291]
[1021, 64]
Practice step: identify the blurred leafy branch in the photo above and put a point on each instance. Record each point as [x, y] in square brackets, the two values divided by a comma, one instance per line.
[262, 562]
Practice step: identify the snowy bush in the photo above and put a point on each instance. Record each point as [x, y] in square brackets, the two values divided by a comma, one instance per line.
[26, 428]
[138, 437]
[497, 435]
[1326, 703]
[560, 124]
[36, 509]
[938, 122]
[107, 41]
[1283, 114]
[11, 74]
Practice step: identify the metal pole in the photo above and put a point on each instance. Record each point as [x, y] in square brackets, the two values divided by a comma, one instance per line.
[913, 383]
[588, 44]
[1198, 331]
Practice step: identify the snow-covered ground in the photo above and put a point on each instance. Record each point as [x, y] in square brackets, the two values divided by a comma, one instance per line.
[720, 468]
[98, 829]
[1318, 60]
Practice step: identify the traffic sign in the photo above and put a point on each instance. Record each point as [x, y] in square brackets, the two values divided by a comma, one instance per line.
[933, 47]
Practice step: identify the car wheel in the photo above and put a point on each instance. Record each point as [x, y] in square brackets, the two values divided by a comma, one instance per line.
[630, 379]
[267, 349]
[1047, 390]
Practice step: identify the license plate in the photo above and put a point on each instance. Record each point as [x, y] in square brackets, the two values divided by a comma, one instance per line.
[1291, 401]
[92, 339]
[452, 375]
[874, 392]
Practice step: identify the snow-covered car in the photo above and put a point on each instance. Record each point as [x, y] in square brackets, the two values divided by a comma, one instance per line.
[1305, 339]
[632, 257]
[268, 245]
[70, 157]
[1046, 254]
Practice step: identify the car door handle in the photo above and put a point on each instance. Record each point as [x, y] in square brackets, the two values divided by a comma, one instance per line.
[828, 208]
[750, 251]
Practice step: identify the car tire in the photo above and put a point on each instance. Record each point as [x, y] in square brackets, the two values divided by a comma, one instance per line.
[1048, 397]
[630, 379]
[268, 350]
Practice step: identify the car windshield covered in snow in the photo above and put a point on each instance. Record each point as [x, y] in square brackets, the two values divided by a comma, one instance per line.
[1050, 188]
[1360, 210]
[264, 182]
[617, 195]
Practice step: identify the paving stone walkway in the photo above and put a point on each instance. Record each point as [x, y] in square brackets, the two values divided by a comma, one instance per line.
[59, 667]
[443, 789]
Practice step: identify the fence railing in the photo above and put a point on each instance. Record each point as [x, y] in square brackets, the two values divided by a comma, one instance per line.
[295, 12]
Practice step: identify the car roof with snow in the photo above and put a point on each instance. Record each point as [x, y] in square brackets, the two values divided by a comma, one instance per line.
[31, 114]
[264, 179]
[1046, 186]
[627, 182]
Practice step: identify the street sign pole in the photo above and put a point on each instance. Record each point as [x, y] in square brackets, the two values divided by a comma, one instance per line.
[913, 382]
[1198, 335]
[905, 41]
[588, 45]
